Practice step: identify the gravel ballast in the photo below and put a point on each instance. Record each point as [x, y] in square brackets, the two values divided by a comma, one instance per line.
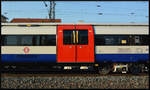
[75, 82]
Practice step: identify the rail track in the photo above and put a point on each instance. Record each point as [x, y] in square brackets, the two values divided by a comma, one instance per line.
[67, 74]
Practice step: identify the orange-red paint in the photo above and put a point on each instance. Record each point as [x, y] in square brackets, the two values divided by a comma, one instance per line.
[65, 53]
[75, 53]
[85, 53]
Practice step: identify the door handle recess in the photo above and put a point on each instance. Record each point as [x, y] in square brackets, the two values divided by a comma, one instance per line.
[73, 36]
[77, 36]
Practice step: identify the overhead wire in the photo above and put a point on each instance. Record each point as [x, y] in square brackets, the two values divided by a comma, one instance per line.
[84, 10]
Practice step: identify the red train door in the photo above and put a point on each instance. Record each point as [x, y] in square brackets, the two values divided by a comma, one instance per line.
[66, 43]
[85, 43]
[75, 43]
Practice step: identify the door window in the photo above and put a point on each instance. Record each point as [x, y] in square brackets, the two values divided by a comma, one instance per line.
[67, 37]
[82, 37]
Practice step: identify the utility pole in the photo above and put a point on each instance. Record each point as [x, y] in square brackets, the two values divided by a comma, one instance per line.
[52, 10]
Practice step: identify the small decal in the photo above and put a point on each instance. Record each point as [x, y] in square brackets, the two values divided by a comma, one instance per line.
[123, 41]
[26, 50]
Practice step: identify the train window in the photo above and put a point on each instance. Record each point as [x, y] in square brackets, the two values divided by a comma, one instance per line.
[2, 40]
[145, 40]
[29, 40]
[131, 40]
[26, 40]
[107, 40]
[48, 40]
[37, 40]
[51, 40]
[121, 39]
[43, 40]
[110, 40]
[83, 37]
[10, 40]
[137, 40]
[99, 40]
[68, 37]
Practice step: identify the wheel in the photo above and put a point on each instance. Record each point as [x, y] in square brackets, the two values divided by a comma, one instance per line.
[135, 69]
[104, 70]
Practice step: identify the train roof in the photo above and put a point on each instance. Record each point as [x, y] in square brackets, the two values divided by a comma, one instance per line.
[95, 24]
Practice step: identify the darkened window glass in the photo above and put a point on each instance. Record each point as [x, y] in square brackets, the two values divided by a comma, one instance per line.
[68, 37]
[121, 39]
[110, 40]
[99, 40]
[131, 40]
[107, 40]
[145, 40]
[29, 40]
[37, 40]
[10, 40]
[51, 40]
[139, 40]
[2, 40]
[48, 40]
[26, 40]
[82, 37]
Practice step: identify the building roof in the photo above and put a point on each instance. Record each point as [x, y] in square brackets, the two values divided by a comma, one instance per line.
[99, 24]
[30, 20]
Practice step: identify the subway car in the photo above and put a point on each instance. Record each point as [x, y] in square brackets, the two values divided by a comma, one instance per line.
[105, 48]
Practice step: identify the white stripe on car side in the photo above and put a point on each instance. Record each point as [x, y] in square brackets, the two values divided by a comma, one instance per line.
[9, 30]
[122, 49]
[32, 50]
[121, 30]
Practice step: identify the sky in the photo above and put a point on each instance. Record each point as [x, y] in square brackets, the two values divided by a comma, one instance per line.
[75, 11]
